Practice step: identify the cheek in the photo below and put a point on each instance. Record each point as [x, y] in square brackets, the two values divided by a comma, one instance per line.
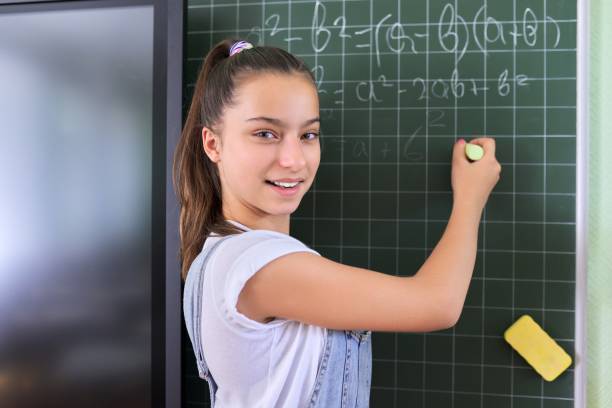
[245, 165]
[233, 162]
[314, 157]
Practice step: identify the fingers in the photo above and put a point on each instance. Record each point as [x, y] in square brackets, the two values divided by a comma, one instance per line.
[487, 143]
[459, 152]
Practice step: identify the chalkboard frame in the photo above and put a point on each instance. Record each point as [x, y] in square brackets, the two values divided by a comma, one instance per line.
[582, 91]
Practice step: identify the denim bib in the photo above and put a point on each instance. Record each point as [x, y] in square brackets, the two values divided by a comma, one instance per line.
[345, 368]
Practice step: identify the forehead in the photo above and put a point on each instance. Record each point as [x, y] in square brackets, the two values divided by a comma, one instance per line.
[276, 95]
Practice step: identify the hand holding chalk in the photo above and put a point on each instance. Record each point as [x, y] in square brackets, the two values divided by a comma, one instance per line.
[474, 173]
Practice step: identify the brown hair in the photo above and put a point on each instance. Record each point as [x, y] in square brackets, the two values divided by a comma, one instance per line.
[195, 177]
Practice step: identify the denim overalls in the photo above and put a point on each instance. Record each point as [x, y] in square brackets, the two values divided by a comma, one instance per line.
[345, 369]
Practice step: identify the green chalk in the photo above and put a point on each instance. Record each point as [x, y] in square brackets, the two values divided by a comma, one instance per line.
[473, 151]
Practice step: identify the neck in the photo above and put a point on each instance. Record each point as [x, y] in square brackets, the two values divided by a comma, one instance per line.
[273, 223]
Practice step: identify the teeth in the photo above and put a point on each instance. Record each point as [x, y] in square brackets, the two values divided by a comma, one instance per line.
[287, 185]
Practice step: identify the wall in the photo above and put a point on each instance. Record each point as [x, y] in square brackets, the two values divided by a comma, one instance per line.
[599, 309]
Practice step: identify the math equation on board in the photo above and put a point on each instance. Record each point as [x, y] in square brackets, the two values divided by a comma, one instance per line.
[447, 42]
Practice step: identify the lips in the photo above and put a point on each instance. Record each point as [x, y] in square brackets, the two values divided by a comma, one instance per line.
[287, 180]
[285, 191]
[283, 181]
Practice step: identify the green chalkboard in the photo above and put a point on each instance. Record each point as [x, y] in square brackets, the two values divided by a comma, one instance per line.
[398, 82]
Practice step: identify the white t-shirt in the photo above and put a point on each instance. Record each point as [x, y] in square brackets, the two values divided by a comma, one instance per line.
[254, 364]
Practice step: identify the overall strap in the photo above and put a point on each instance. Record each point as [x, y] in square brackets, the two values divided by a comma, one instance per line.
[192, 309]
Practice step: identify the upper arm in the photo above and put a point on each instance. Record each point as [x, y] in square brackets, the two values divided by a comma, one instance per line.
[312, 289]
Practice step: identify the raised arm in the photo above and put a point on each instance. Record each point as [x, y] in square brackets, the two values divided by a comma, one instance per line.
[312, 289]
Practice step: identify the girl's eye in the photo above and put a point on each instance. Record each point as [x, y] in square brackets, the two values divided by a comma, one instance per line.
[264, 132]
[313, 135]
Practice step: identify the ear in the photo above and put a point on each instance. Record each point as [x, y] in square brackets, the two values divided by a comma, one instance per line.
[211, 144]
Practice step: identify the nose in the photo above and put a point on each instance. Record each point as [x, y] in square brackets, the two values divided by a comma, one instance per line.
[291, 154]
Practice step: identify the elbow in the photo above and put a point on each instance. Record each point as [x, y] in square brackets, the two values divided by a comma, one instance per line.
[452, 318]
[442, 306]
[449, 313]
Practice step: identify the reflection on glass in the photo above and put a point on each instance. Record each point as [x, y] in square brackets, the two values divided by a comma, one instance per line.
[75, 207]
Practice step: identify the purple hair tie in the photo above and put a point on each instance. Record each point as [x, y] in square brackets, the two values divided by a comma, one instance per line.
[239, 46]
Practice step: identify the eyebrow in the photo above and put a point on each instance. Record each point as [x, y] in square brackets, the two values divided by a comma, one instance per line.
[280, 122]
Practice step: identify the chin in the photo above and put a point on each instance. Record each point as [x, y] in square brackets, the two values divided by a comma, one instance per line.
[290, 210]
[287, 209]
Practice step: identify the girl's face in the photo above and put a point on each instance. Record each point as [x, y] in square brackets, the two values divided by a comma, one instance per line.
[270, 133]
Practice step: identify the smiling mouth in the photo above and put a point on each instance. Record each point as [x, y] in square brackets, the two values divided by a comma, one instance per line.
[287, 187]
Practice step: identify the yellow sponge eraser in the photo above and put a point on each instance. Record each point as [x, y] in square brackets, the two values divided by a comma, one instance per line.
[537, 347]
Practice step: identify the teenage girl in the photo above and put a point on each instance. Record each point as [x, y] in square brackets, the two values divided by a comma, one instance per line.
[272, 322]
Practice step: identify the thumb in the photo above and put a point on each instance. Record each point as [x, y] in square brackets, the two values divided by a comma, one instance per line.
[459, 152]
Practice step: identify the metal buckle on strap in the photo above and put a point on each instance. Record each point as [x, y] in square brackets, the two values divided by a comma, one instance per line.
[361, 335]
